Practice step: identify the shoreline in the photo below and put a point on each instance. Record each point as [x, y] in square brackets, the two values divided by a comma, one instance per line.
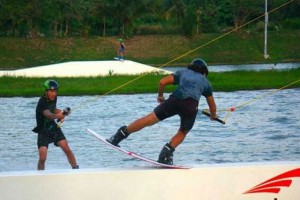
[139, 84]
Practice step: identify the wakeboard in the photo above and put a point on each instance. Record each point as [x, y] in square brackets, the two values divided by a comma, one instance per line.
[132, 154]
[116, 58]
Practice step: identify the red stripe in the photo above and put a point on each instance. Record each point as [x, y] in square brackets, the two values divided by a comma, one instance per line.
[289, 174]
[284, 183]
[270, 190]
[276, 181]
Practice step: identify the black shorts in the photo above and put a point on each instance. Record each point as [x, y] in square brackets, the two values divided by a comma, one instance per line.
[122, 50]
[187, 109]
[47, 137]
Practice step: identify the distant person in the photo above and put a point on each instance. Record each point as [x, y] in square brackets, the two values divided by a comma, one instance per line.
[47, 129]
[121, 50]
[184, 100]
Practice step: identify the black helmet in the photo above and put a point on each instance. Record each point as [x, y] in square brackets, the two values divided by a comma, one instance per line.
[198, 65]
[51, 85]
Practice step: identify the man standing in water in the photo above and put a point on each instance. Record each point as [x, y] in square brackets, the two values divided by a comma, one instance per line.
[192, 83]
[47, 129]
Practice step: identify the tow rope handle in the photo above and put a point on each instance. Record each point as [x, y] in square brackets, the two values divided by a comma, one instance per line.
[217, 119]
[66, 112]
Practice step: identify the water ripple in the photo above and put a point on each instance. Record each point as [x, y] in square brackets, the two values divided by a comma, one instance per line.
[267, 130]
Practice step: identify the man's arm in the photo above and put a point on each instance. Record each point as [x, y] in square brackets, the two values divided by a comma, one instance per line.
[57, 115]
[212, 107]
[168, 80]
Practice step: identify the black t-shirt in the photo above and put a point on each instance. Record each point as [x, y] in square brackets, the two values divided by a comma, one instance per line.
[43, 123]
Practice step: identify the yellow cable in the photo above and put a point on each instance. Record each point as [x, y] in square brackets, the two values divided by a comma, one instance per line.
[225, 34]
[263, 96]
[232, 109]
[189, 52]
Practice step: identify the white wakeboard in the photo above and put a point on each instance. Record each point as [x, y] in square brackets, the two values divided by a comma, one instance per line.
[132, 154]
[116, 58]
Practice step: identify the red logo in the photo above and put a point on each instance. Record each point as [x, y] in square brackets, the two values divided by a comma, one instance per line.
[275, 184]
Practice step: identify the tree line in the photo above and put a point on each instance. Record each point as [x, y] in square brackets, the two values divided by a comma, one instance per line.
[63, 18]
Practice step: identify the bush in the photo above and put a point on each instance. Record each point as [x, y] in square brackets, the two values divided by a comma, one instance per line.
[260, 26]
[292, 24]
[189, 22]
[156, 29]
[149, 29]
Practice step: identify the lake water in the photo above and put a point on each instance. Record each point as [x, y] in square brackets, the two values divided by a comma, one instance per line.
[248, 67]
[266, 130]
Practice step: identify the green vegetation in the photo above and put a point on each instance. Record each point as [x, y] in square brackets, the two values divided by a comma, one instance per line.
[158, 33]
[155, 50]
[228, 81]
[64, 18]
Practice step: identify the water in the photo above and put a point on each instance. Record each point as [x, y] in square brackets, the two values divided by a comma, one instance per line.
[266, 130]
[248, 67]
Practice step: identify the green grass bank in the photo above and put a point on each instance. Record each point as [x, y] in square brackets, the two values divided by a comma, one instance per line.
[156, 50]
[226, 81]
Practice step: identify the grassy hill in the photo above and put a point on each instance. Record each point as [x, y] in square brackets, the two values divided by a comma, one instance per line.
[155, 50]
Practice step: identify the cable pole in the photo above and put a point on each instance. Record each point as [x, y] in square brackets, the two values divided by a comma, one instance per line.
[266, 30]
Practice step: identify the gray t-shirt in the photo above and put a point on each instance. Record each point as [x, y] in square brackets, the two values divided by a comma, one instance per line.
[191, 85]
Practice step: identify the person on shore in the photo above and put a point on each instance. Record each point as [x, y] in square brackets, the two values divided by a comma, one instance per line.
[47, 129]
[121, 50]
[183, 101]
